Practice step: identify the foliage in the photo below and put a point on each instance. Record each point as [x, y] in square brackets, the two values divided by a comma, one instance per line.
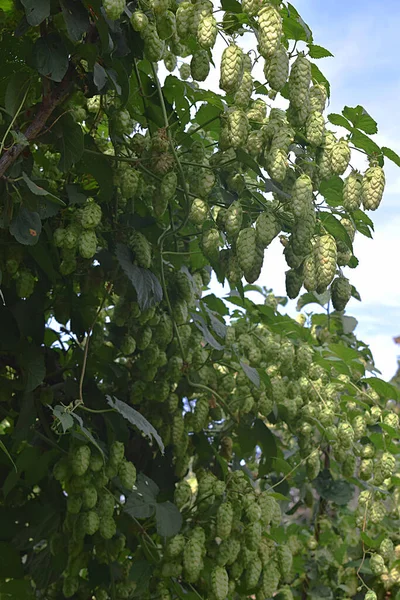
[158, 441]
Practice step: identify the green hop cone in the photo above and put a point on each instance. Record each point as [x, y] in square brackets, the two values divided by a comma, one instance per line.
[269, 30]
[207, 32]
[107, 527]
[184, 71]
[294, 282]
[231, 71]
[210, 243]
[87, 244]
[253, 572]
[166, 25]
[238, 125]
[243, 94]
[168, 185]
[302, 195]
[219, 583]
[175, 546]
[340, 157]
[114, 8]
[267, 228]
[90, 215]
[325, 259]
[192, 559]
[318, 97]
[128, 181]
[198, 211]
[170, 61]
[141, 248]
[233, 219]
[299, 82]
[153, 46]
[277, 163]
[200, 414]
[377, 564]
[224, 520]
[127, 474]
[315, 128]
[68, 265]
[276, 68]
[370, 595]
[182, 494]
[285, 560]
[352, 190]
[139, 21]
[250, 254]
[90, 522]
[106, 504]
[373, 185]
[251, 7]
[200, 65]
[202, 9]
[340, 293]
[324, 161]
[184, 16]
[80, 460]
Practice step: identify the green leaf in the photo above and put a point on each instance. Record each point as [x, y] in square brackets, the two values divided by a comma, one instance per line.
[87, 433]
[208, 336]
[318, 51]
[6, 452]
[69, 142]
[231, 6]
[370, 542]
[248, 160]
[264, 437]
[142, 501]
[65, 418]
[313, 298]
[39, 191]
[294, 27]
[100, 168]
[387, 390]
[361, 119]
[168, 519]
[148, 288]
[363, 142]
[338, 491]
[251, 373]
[339, 121]
[332, 190]
[319, 77]
[26, 227]
[349, 324]
[76, 19]
[99, 76]
[36, 11]
[391, 155]
[33, 367]
[17, 86]
[335, 228]
[16, 589]
[50, 56]
[136, 419]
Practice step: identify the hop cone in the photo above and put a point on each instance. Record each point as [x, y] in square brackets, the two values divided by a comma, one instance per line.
[231, 69]
[352, 190]
[302, 195]
[238, 128]
[373, 186]
[207, 32]
[325, 260]
[250, 255]
[318, 97]
[276, 68]
[340, 293]
[315, 128]
[270, 30]
[340, 157]
[299, 82]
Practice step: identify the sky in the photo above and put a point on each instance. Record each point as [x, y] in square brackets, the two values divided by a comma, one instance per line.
[364, 40]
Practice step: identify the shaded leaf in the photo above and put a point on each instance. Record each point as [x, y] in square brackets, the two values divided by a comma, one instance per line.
[39, 191]
[361, 119]
[69, 142]
[33, 367]
[362, 141]
[36, 11]
[168, 518]
[65, 418]
[148, 288]
[349, 324]
[87, 433]
[17, 85]
[338, 491]
[208, 336]
[339, 121]
[319, 77]
[26, 227]
[251, 373]
[99, 76]
[50, 56]
[136, 419]
[6, 452]
[76, 19]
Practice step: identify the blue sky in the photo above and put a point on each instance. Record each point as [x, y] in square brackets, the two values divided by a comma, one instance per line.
[363, 35]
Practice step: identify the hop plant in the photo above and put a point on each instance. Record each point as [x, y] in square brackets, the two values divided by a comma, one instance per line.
[192, 559]
[340, 157]
[184, 71]
[340, 292]
[198, 211]
[318, 97]
[200, 65]
[245, 90]
[153, 46]
[302, 195]
[299, 82]
[269, 30]
[219, 582]
[233, 219]
[114, 8]
[315, 128]
[207, 32]
[238, 128]
[231, 72]
[352, 191]
[88, 244]
[373, 185]
[141, 248]
[139, 21]
[250, 255]
[276, 68]
[294, 282]
[267, 228]
[325, 253]
[90, 215]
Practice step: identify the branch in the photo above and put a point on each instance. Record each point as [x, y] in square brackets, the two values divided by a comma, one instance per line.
[48, 105]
